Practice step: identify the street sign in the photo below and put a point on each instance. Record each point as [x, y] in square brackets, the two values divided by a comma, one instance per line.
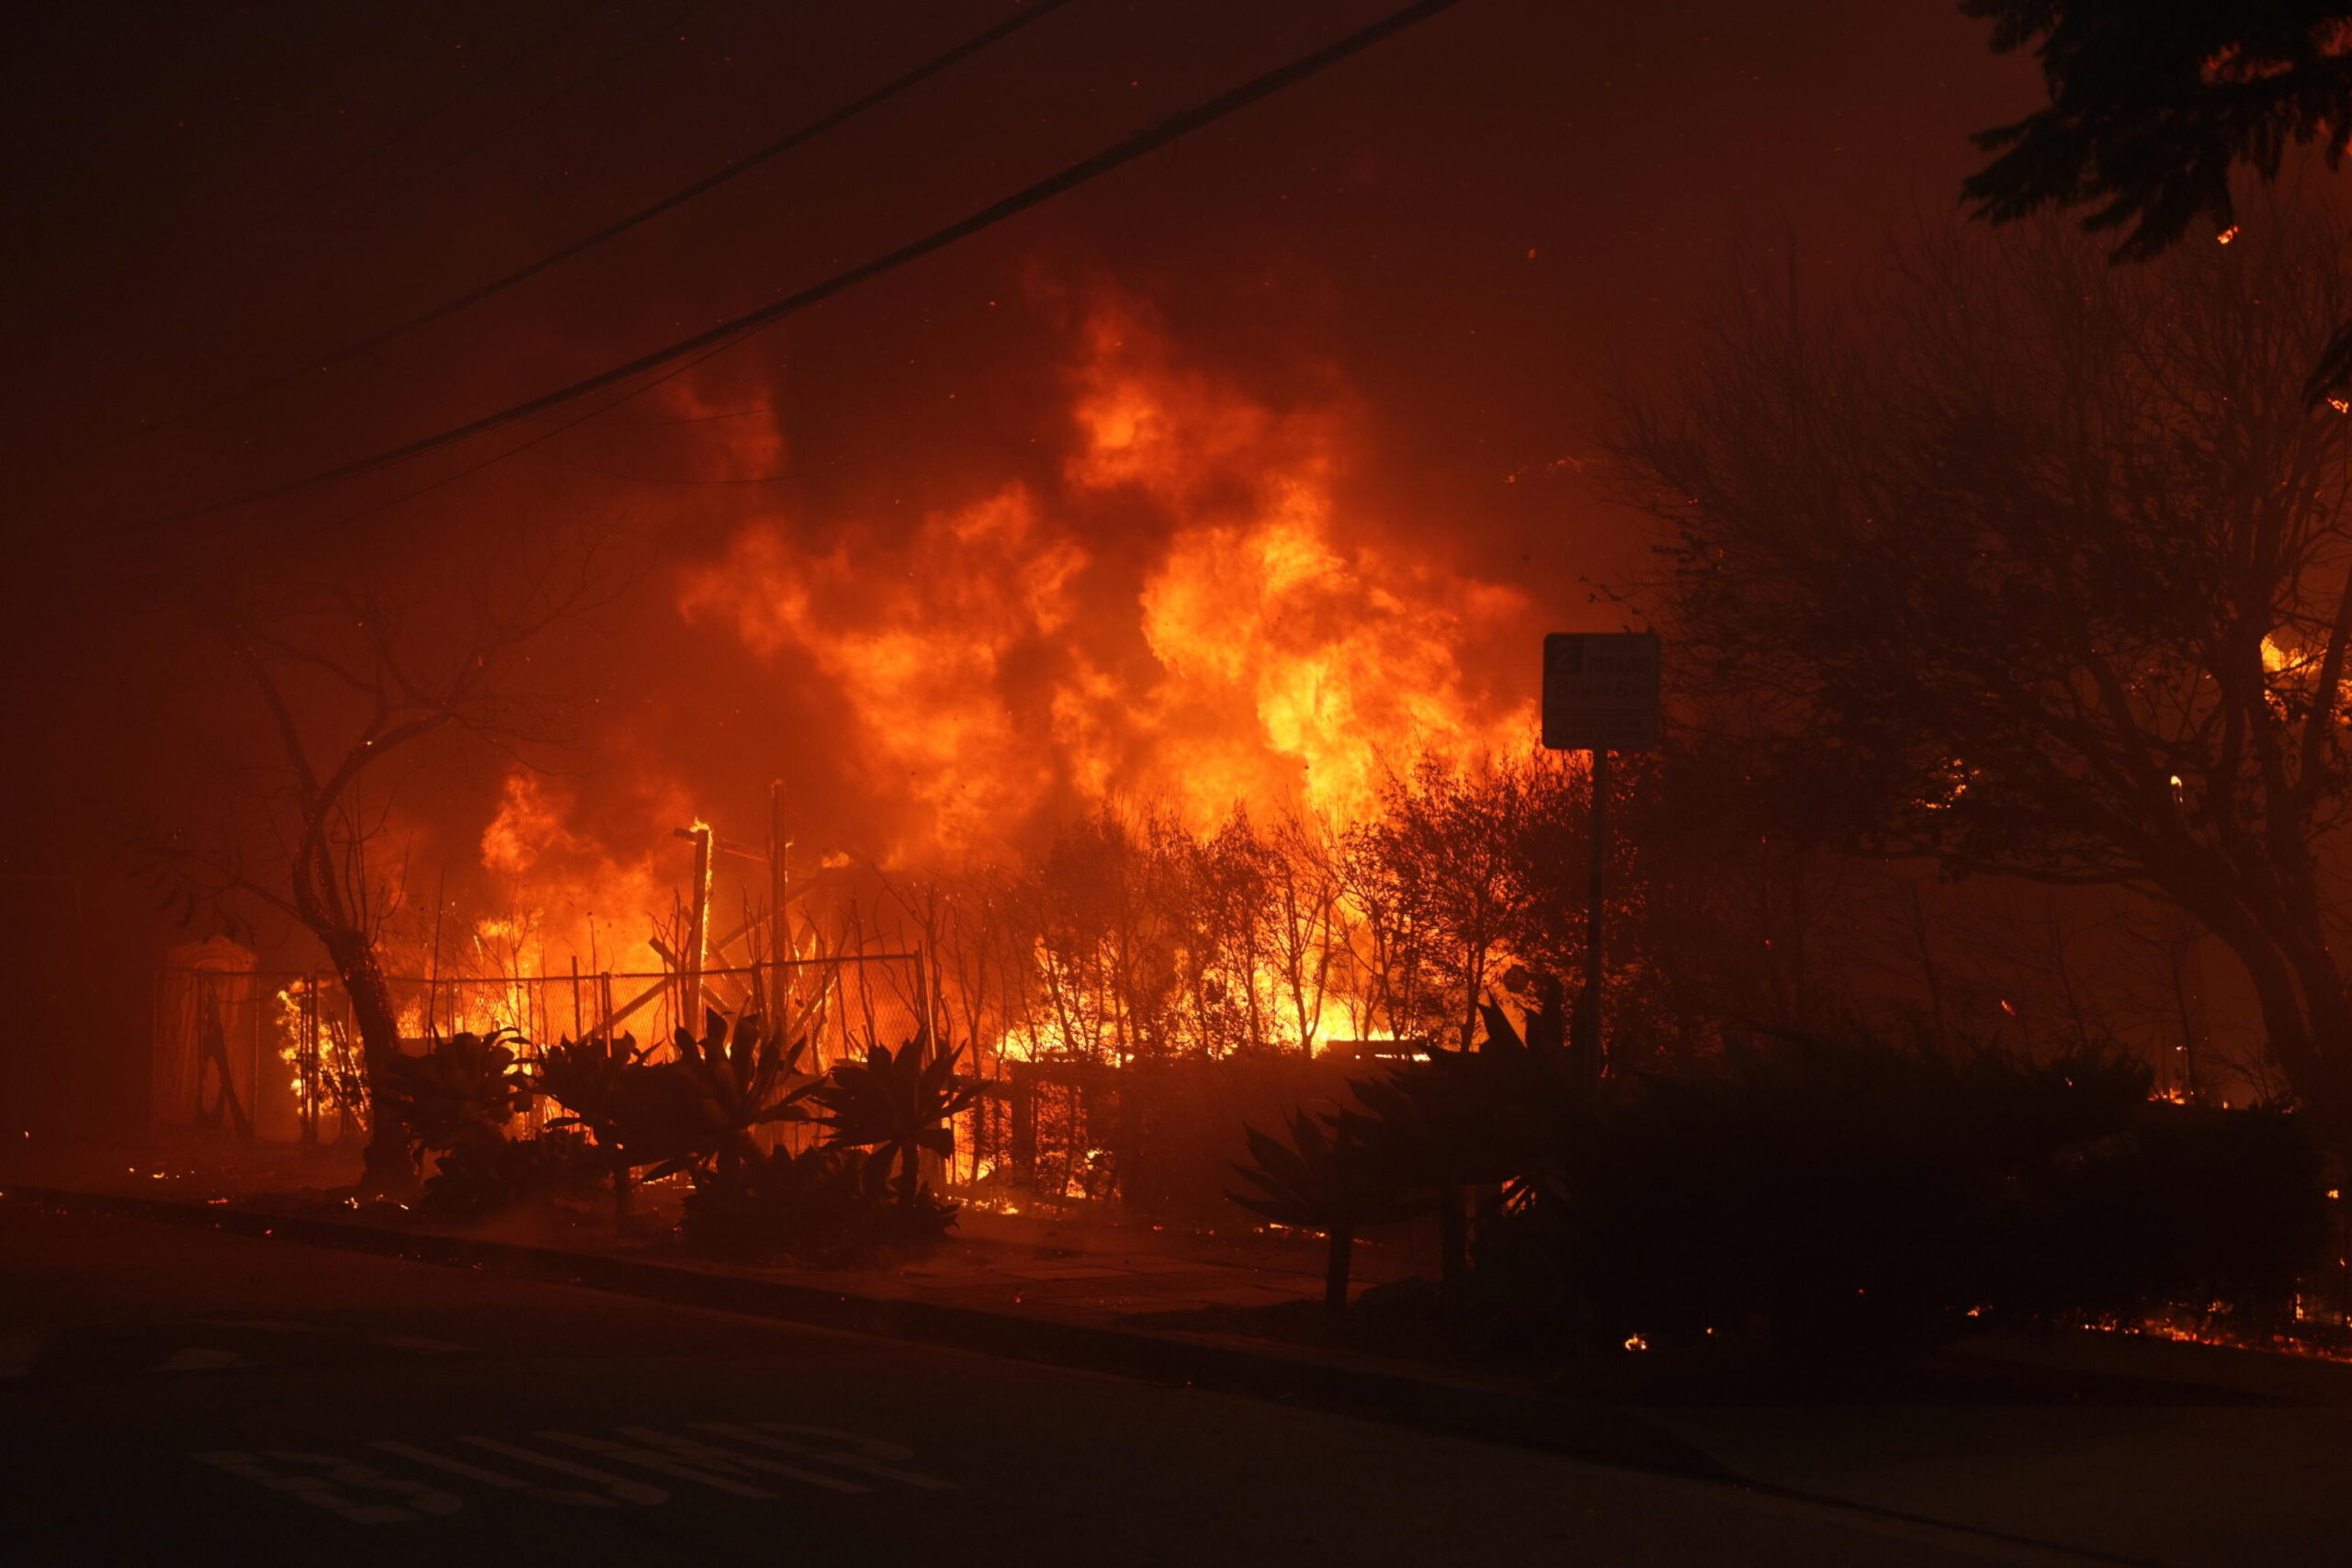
[1600, 691]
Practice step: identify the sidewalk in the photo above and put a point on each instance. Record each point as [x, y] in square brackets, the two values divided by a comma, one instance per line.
[2095, 1447]
[1073, 1266]
[2185, 1454]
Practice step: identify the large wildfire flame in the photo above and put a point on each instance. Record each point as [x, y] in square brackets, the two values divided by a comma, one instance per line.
[1191, 654]
[569, 894]
[1271, 655]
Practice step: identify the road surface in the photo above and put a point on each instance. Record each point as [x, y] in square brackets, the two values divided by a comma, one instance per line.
[174, 1395]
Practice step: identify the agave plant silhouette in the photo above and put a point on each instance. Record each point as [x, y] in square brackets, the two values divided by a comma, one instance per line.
[724, 1086]
[463, 1090]
[898, 1104]
[602, 1084]
[1499, 1116]
[831, 1207]
[1324, 1180]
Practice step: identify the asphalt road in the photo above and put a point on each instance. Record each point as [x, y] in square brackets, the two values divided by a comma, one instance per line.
[170, 1396]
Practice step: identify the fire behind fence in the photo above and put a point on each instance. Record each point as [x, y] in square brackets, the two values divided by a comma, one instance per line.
[275, 1055]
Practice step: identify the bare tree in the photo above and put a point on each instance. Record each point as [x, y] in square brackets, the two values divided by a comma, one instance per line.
[1468, 860]
[345, 681]
[1305, 923]
[2042, 568]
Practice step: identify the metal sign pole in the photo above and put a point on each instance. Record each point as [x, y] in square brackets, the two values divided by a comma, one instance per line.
[1600, 696]
[1596, 924]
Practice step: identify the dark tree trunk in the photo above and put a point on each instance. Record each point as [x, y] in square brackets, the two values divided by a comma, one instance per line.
[386, 1167]
[1338, 1258]
[1452, 1236]
[1486, 1212]
[2304, 1015]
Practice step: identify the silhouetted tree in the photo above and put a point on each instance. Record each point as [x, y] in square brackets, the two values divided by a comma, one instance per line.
[2044, 569]
[2152, 107]
[348, 677]
[1466, 863]
[1304, 921]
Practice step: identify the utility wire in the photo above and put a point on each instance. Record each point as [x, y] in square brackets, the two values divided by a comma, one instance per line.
[147, 430]
[1113, 157]
[297, 536]
[531, 443]
[216, 267]
[743, 166]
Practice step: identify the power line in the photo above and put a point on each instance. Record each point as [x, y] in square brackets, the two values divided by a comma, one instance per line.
[743, 166]
[253, 228]
[1113, 157]
[529, 444]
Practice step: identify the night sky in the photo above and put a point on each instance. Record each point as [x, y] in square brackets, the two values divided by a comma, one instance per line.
[204, 196]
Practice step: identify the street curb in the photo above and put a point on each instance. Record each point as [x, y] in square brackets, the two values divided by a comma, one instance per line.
[1602, 1433]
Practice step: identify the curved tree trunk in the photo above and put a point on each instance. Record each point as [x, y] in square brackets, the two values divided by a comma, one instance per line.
[2308, 1021]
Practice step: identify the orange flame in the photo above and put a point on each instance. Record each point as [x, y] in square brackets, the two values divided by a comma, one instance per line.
[1272, 654]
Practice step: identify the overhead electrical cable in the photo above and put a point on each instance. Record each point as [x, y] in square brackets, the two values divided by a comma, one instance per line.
[629, 52]
[530, 444]
[296, 536]
[1113, 157]
[620, 226]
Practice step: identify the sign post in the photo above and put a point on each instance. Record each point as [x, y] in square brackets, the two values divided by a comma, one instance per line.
[1599, 696]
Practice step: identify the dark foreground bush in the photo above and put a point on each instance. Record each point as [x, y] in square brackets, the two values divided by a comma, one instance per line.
[463, 1090]
[832, 1207]
[2190, 1205]
[1867, 1201]
[484, 1177]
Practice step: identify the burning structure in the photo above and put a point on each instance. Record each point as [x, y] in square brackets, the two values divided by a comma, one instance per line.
[1083, 812]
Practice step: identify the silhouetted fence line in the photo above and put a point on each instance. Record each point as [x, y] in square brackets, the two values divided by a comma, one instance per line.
[273, 1053]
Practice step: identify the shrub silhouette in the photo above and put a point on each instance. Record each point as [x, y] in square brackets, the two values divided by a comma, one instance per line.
[463, 1090]
[602, 1083]
[1867, 1200]
[1860, 1199]
[481, 1178]
[897, 1105]
[1324, 1180]
[1501, 1115]
[703, 1109]
[858, 1196]
[831, 1207]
